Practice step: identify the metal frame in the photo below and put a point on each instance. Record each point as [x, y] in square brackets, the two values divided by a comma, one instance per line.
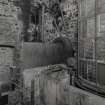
[80, 81]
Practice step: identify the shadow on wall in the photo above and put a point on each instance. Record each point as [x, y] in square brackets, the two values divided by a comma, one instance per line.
[41, 54]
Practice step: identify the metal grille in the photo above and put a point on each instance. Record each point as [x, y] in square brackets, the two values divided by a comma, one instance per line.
[87, 63]
[91, 60]
[87, 70]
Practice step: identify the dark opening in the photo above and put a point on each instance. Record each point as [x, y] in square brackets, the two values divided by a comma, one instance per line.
[4, 100]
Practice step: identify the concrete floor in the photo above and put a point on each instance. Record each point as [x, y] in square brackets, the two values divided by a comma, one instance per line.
[56, 91]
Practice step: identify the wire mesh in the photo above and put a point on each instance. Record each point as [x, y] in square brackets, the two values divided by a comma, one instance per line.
[87, 58]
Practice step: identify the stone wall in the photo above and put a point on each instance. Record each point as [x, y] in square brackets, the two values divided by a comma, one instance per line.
[50, 32]
[14, 21]
[10, 26]
[70, 22]
[10, 33]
